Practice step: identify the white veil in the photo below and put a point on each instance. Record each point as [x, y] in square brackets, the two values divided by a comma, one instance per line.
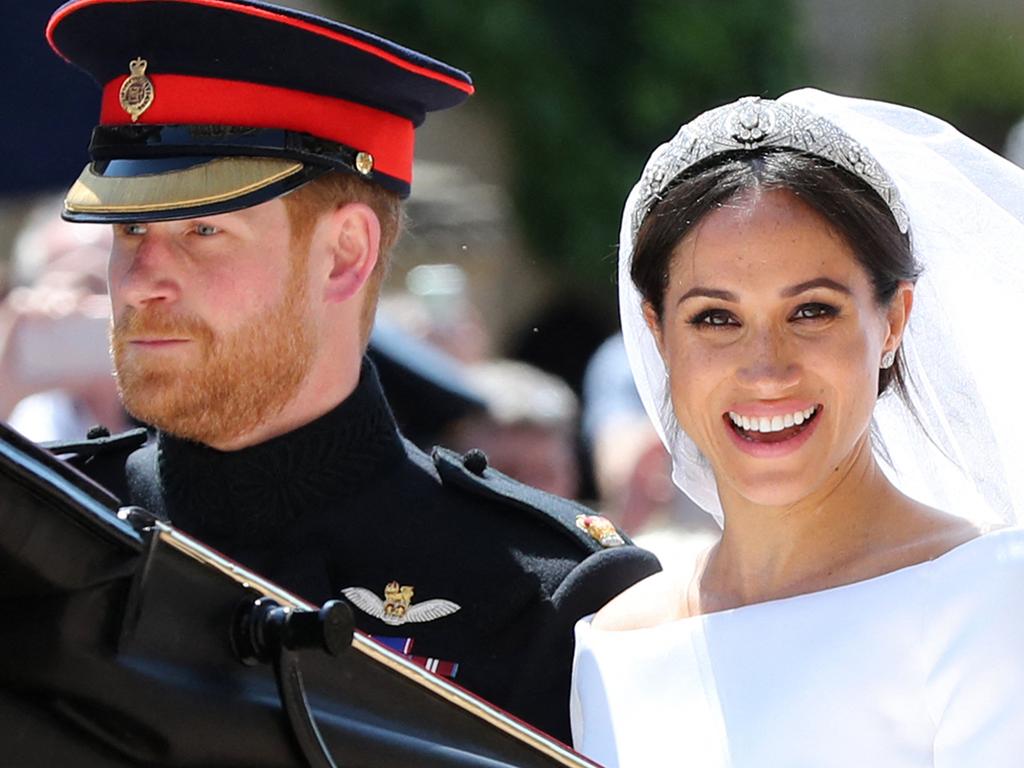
[964, 348]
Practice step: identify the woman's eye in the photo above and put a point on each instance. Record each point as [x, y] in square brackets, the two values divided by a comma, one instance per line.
[814, 312]
[715, 318]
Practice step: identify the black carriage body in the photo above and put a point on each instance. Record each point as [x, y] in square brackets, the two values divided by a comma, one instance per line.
[117, 648]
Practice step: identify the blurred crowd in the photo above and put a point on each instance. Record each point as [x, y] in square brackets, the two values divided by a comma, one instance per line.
[54, 359]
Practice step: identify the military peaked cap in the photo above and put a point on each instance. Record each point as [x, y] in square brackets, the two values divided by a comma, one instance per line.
[210, 106]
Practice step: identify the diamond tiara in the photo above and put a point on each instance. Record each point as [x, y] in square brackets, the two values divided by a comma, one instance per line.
[754, 123]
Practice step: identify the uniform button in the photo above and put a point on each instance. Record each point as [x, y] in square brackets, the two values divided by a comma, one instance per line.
[475, 461]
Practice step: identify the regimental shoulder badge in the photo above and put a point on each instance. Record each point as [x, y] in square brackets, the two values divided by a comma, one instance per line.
[396, 608]
[136, 93]
[601, 529]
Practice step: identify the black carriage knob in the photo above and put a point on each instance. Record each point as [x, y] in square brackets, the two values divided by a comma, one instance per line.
[264, 628]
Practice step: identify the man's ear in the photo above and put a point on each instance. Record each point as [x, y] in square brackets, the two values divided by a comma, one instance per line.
[352, 234]
[654, 323]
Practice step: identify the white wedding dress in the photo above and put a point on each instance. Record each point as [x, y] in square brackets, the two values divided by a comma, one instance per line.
[921, 667]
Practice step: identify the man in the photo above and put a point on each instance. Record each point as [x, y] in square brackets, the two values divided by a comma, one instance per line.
[251, 160]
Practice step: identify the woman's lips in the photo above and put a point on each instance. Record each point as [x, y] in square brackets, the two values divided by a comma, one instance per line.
[771, 421]
[778, 438]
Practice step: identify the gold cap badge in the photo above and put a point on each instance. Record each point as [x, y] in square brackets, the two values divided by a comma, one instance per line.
[136, 93]
[364, 163]
[601, 529]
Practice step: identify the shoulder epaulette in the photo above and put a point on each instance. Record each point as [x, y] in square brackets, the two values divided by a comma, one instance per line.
[99, 441]
[469, 472]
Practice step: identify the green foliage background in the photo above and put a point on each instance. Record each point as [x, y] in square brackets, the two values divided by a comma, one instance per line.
[965, 67]
[587, 88]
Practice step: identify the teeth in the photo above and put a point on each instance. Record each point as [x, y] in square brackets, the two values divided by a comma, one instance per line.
[773, 423]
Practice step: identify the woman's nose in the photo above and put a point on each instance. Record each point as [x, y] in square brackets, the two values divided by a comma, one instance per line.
[768, 362]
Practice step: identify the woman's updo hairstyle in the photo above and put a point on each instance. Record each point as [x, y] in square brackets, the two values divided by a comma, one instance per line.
[848, 203]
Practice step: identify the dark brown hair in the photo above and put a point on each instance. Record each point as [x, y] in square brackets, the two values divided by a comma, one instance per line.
[849, 204]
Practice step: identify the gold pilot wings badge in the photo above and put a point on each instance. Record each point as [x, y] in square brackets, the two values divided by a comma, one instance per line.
[396, 608]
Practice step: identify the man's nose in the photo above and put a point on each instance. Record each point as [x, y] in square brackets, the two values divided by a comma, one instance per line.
[145, 275]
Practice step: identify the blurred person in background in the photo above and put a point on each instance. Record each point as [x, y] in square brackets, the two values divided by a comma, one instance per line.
[54, 348]
[427, 389]
[433, 329]
[632, 470]
[435, 307]
[528, 427]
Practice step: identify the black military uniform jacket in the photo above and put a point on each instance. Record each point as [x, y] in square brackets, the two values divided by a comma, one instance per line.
[344, 507]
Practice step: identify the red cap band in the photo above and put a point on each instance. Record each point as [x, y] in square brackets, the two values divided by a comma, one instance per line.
[187, 100]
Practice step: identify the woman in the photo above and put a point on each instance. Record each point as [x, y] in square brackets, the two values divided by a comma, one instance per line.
[819, 297]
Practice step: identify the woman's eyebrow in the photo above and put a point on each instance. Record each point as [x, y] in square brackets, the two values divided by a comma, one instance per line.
[711, 293]
[793, 290]
[818, 282]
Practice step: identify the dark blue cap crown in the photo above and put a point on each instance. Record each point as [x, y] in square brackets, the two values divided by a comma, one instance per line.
[261, 98]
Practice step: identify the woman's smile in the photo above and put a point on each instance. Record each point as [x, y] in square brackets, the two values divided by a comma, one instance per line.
[771, 436]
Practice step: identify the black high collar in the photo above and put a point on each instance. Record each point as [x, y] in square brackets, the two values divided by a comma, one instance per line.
[252, 494]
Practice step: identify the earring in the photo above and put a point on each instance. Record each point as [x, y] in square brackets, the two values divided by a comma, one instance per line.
[887, 359]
